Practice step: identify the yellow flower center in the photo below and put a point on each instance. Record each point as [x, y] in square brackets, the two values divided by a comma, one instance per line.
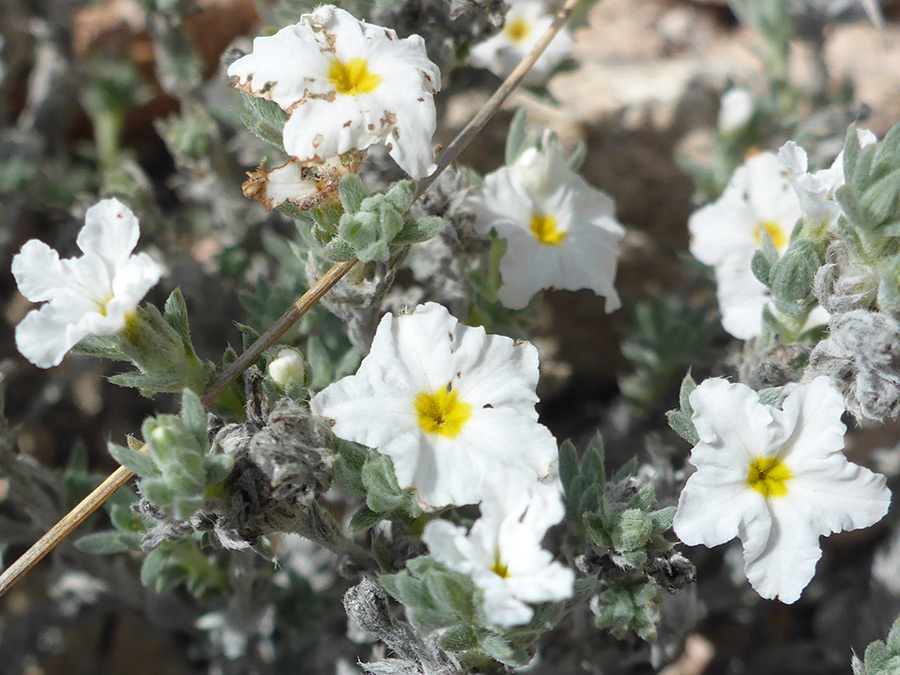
[769, 476]
[353, 77]
[543, 227]
[499, 568]
[442, 412]
[103, 304]
[776, 234]
[517, 30]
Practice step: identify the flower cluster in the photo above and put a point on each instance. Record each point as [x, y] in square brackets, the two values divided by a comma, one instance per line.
[726, 233]
[347, 85]
[526, 22]
[94, 294]
[502, 551]
[776, 479]
[559, 231]
[453, 408]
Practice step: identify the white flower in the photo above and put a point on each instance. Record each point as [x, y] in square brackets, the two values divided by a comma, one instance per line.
[816, 191]
[777, 479]
[452, 406]
[735, 110]
[347, 85]
[559, 231]
[91, 295]
[725, 234]
[526, 22]
[287, 368]
[502, 552]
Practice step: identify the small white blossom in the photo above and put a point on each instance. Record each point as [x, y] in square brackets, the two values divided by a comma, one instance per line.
[502, 552]
[560, 232]
[94, 294]
[526, 23]
[347, 85]
[736, 109]
[287, 368]
[776, 479]
[816, 191]
[726, 233]
[452, 406]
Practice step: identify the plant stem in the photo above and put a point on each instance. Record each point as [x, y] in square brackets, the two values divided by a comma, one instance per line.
[121, 476]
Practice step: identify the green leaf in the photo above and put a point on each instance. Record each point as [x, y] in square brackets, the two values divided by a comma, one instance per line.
[264, 119]
[516, 137]
[217, 468]
[382, 492]
[140, 463]
[193, 414]
[352, 192]
[893, 640]
[680, 420]
[792, 276]
[502, 650]
[153, 565]
[569, 469]
[102, 543]
[761, 268]
[401, 195]
[176, 315]
[101, 347]
[635, 527]
[662, 520]
[458, 639]
[419, 230]
[592, 463]
[451, 592]
[348, 465]
[364, 519]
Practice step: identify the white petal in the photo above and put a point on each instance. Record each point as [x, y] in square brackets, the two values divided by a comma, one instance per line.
[836, 495]
[38, 271]
[110, 231]
[553, 582]
[284, 67]
[443, 541]
[499, 372]
[814, 412]
[134, 278]
[503, 609]
[732, 424]
[714, 508]
[741, 296]
[721, 229]
[43, 339]
[784, 567]
[793, 158]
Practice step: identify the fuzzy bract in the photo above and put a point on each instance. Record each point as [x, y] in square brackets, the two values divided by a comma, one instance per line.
[450, 405]
[347, 85]
[776, 479]
[726, 233]
[526, 22]
[816, 190]
[560, 232]
[502, 551]
[93, 294]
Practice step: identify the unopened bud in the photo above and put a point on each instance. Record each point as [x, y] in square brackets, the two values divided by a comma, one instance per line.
[287, 368]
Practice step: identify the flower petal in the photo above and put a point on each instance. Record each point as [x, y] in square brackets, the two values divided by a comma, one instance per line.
[784, 567]
[110, 231]
[734, 427]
